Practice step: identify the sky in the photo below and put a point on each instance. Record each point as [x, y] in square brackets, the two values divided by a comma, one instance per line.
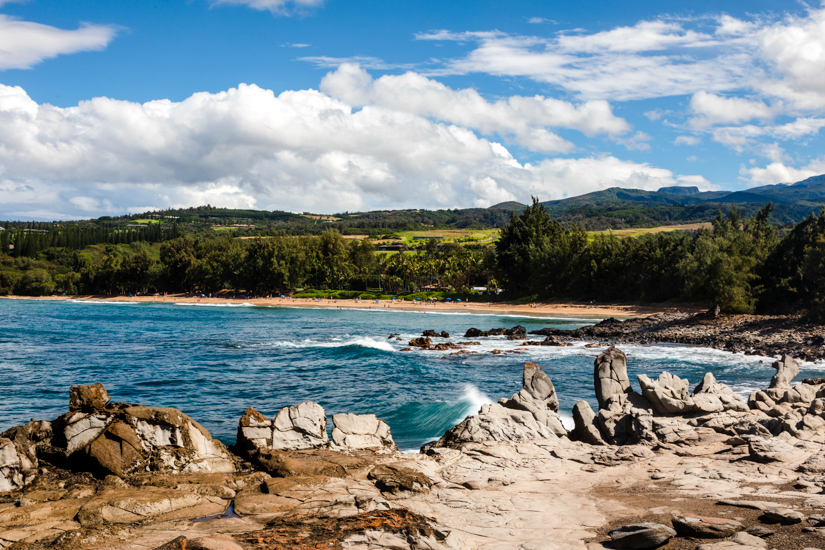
[326, 106]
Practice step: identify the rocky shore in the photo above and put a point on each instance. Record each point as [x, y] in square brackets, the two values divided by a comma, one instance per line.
[661, 466]
[752, 334]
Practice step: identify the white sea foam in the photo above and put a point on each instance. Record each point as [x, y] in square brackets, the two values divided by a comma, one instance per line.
[104, 302]
[474, 399]
[548, 317]
[567, 420]
[208, 304]
[361, 341]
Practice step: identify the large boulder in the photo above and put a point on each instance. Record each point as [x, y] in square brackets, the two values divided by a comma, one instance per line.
[302, 426]
[19, 453]
[668, 395]
[121, 439]
[104, 438]
[709, 392]
[610, 376]
[361, 431]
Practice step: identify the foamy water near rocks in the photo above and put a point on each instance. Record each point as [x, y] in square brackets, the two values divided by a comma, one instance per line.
[648, 465]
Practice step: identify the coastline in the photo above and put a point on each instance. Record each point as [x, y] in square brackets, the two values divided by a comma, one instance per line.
[541, 309]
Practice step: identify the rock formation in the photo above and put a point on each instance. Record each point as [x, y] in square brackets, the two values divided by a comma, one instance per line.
[610, 377]
[118, 438]
[532, 413]
[302, 426]
[668, 395]
[361, 431]
[709, 391]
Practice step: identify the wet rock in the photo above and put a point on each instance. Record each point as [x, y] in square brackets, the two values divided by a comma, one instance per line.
[361, 431]
[88, 398]
[423, 343]
[518, 332]
[392, 478]
[610, 376]
[785, 516]
[434, 334]
[641, 535]
[703, 527]
[302, 426]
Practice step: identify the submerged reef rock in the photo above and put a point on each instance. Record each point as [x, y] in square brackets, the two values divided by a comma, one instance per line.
[518, 332]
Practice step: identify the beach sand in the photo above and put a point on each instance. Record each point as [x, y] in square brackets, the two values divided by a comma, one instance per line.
[540, 309]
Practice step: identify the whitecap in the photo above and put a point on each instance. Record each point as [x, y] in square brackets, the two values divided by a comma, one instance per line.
[206, 304]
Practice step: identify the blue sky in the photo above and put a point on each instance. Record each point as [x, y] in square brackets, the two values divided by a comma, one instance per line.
[334, 105]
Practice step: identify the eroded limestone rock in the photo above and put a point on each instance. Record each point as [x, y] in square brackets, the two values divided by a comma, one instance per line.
[709, 390]
[610, 376]
[668, 395]
[529, 414]
[302, 426]
[361, 431]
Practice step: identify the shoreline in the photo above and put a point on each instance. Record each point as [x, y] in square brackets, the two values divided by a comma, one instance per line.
[552, 309]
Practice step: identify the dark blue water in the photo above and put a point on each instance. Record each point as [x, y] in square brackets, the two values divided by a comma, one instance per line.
[212, 362]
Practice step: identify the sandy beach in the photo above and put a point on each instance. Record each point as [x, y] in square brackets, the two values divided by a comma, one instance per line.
[542, 309]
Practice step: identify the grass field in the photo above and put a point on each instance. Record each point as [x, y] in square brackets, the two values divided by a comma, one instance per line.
[639, 231]
[448, 235]
[147, 221]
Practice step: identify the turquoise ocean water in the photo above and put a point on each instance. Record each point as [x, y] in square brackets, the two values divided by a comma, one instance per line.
[214, 361]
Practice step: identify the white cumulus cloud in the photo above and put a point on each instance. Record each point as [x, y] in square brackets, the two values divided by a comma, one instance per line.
[778, 172]
[248, 147]
[526, 119]
[24, 44]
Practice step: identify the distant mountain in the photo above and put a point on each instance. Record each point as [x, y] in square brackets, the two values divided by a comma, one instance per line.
[509, 205]
[618, 207]
[679, 190]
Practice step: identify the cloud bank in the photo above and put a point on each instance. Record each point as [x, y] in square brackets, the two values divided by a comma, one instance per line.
[299, 150]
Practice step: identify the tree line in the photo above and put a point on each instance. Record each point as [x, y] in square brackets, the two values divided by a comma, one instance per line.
[255, 266]
[741, 265]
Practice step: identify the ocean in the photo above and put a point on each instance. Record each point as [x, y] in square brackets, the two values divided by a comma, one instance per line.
[212, 361]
